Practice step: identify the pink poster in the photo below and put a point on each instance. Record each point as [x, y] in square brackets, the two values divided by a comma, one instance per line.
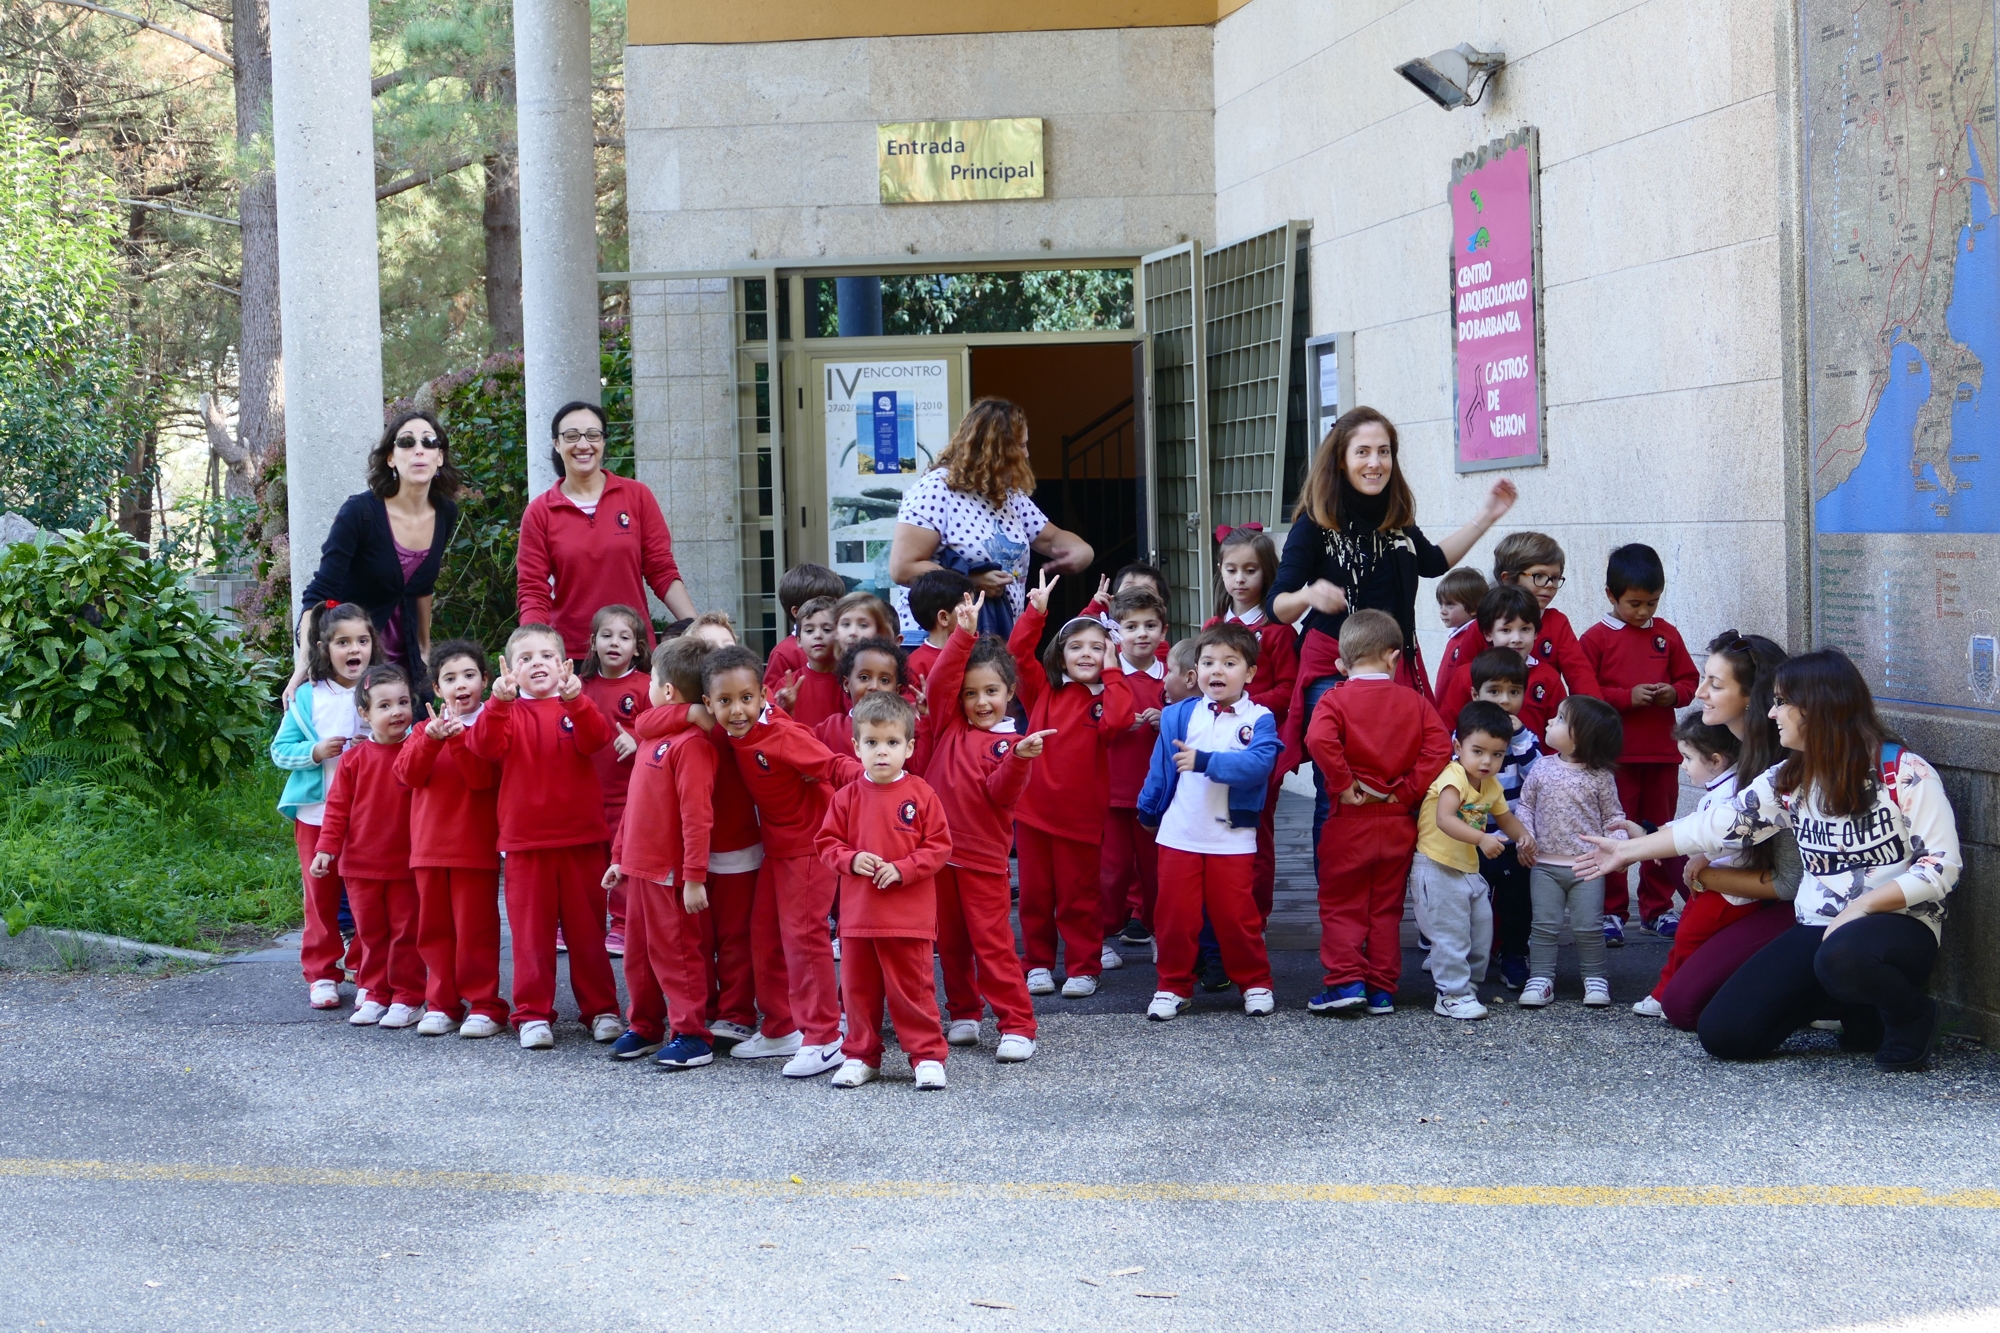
[1496, 290]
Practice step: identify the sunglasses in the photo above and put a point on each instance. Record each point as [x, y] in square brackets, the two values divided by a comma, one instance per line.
[416, 441]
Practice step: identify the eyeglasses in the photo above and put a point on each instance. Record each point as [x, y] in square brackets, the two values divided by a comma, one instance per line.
[1732, 642]
[593, 435]
[416, 441]
[1546, 580]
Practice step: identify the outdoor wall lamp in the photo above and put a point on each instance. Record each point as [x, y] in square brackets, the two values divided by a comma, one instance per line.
[1447, 77]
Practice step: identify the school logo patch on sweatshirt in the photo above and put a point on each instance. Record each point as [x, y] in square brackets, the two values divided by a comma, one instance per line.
[1097, 711]
[627, 704]
[660, 751]
[567, 724]
[624, 519]
[1000, 749]
[1660, 642]
[1548, 649]
[1541, 691]
[906, 814]
[762, 762]
[1244, 733]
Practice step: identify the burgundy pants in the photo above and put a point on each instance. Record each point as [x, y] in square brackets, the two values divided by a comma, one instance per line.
[1703, 972]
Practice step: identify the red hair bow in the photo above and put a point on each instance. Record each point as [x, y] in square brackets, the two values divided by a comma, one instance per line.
[1223, 530]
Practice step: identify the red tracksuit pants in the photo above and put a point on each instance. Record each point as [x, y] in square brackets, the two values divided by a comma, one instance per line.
[1364, 874]
[875, 967]
[975, 944]
[733, 986]
[1265, 884]
[667, 952]
[385, 920]
[616, 901]
[321, 951]
[458, 937]
[1224, 885]
[1649, 793]
[1701, 921]
[790, 951]
[1060, 896]
[547, 888]
[1128, 870]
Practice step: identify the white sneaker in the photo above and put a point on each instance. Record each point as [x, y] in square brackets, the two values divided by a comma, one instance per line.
[729, 1031]
[1110, 960]
[963, 1032]
[324, 995]
[1014, 1048]
[1649, 1008]
[1165, 1005]
[367, 1014]
[607, 1027]
[1258, 1001]
[853, 1074]
[812, 1061]
[537, 1035]
[1041, 981]
[1596, 993]
[930, 1076]
[761, 1047]
[479, 1025]
[435, 1023]
[1077, 988]
[400, 1016]
[1538, 993]
[1460, 1006]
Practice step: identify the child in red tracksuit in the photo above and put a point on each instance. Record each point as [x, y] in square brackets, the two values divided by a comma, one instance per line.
[865, 667]
[1534, 561]
[1458, 595]
[455, 853]
[791, 777]
[812, 693]
[613, 679]
[735, 851]
[1380, 745]
[541, 731]
[662, 852]
[1646, 674]
[886, 838]
[798, 585]
[367, 830]
[934, 601]
[972, 756]
[1059, 824]
[1246, 567]
[1129, 866]
[1509, 617]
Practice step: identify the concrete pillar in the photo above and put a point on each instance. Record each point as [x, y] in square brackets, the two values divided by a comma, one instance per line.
[558, 217]
[323, 140]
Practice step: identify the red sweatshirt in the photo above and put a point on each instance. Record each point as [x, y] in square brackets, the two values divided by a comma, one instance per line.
[786, 658]
[1542, 698]
[1131, 751]
[836, 732]
[975, 773]
[548, 791]
[1621, 657]
[920, 661]
[610, 556]
[791, 777]
[1070, 789]
[903, 823]
[1557, 644]
[1381, 733]
[1277, 663]
[735, 814]
[453, 821]
[367, 824]
[821, 695]
[1453, 685]
[673, 788]
[620, 700]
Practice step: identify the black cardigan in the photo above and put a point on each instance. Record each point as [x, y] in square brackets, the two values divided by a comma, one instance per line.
[358, 564]
[1405, 556]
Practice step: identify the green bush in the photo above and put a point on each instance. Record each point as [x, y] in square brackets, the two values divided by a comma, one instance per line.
[99, 644]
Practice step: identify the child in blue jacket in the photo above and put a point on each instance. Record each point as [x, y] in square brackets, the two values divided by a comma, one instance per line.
[1204, 794]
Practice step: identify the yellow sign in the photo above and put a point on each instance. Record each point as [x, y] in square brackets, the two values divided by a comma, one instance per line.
[942, 161]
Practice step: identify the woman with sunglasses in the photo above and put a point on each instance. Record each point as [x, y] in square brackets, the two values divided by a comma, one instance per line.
[1879, 846]
[387, 545]
[593, 539]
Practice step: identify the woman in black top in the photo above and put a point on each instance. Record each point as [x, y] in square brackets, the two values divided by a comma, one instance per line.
[387, 545]
[1355, 545]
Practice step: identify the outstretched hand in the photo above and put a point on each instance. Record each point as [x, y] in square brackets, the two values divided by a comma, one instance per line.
[568, 684]
[1184, 756]
[443, 727]
[505, 688]
[1038, 596]
[1030, 745]
[1498, 501]
[968, 611]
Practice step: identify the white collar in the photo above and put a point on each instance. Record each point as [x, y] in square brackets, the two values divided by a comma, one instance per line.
[1611, 621]
[1254, 617]
[1098, 688]
[473, 716]
[899, 778]
[1233, 708]
[1156, 669]
[1725, 776]
[1456, 630]
[1370, 675]
[628, 671]
[1005, 726]
[1531, 660]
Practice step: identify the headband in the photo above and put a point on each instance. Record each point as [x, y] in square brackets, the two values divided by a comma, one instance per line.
[1074, 621]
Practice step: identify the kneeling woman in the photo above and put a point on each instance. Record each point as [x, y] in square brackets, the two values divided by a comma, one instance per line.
[1880, 850]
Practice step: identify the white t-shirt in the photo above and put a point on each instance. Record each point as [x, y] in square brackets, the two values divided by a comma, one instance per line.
[334, 714]
[973, 528]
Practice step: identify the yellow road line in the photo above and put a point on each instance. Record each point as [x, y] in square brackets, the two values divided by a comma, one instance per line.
[1060, 1191]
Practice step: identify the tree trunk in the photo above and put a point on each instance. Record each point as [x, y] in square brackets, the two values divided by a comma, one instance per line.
[260, 421]
[135, 498]
[502, 222]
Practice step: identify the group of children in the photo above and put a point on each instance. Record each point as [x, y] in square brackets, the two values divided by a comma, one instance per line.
[778, 850]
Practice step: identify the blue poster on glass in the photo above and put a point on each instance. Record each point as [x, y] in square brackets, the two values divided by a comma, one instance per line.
[888, 454]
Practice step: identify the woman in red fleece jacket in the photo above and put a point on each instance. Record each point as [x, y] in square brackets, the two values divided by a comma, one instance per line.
[1059, 825]
[367, 830]
[592, 539]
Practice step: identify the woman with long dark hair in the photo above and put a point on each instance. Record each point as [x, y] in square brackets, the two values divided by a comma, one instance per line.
[387, 545]
[1879, 846]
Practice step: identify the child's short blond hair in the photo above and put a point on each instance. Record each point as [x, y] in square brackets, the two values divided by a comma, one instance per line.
[720, 619]
[1184, 656]
[526, 632]
[885, 619]
[1519, 552]
[1369, 636]
[678, 663]
[883, 708]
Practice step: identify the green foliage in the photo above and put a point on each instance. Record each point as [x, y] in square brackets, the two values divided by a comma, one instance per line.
[1051, 301]
[73, 405]
[99, 644]
[201, 868]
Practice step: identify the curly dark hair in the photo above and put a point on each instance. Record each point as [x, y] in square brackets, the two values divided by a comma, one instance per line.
[382, 478]
[887, 647]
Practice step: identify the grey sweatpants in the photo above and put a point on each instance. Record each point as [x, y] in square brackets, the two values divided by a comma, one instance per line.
[1454, 911]
[1554, 890]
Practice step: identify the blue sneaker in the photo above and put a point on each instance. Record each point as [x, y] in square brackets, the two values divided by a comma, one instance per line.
[1513, 971]
[1665, 926]
[632, 1046]
[1335, 999]
[1614, 932]
[1381, 1002]
[685, 1052]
